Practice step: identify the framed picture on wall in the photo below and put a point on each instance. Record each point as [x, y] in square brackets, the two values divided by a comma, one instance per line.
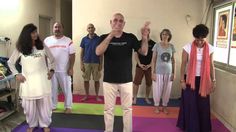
[233, 42]
[223, 22]
[224, 36]
[222, 32]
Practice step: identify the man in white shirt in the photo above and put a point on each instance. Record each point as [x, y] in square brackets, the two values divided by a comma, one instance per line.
[63, 51]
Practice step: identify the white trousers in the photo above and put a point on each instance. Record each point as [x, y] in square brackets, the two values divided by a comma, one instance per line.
[38, 111]
[110, 91]
[62, 80]
[162, 89]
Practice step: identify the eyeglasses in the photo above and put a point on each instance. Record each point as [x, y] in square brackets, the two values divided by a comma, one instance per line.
[165, 34]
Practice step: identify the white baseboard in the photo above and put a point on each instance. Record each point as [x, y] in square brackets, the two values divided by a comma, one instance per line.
[225, 123]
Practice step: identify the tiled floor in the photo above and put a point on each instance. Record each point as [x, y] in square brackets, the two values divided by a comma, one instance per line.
[7, 124]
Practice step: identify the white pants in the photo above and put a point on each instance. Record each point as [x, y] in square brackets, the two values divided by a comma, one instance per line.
[110, 91]
[62, 80]
[38, 111]
[162, 89]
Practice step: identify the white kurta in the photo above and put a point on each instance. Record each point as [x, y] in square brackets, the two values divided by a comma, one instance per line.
[34, 69]
[37, 84]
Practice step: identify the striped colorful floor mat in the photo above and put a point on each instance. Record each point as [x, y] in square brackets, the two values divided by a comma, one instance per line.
[88, 117]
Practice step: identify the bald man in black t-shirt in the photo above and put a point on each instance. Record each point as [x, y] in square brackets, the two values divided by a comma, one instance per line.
[117, 48]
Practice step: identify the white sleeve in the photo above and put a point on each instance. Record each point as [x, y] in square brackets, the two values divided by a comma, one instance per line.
[71, 48]
[187, 48]
[45, 41]
[48, 40]
[52, 63]
[12, 61]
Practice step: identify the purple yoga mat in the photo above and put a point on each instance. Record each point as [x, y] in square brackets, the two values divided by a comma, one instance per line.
[24, 126]
[141, 124]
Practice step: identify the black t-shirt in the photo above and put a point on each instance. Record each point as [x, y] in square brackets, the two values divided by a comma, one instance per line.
[148, 58]
[118, 58]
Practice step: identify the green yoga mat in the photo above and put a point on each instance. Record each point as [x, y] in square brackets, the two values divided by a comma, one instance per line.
[91, 109]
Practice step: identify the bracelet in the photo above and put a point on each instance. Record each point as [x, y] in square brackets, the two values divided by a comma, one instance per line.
[52, 70]
[182, 81]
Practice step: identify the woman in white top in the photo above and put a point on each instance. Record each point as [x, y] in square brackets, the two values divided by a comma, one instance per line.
[35, 84]
[197, 82]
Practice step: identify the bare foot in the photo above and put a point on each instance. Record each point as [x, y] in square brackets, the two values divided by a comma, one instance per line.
[98, 99]
[165, 110]
[148, 101]
[84, 98]
[67, 111]
[157, 110]
[134, 100]
[46, 129]
[30, 129]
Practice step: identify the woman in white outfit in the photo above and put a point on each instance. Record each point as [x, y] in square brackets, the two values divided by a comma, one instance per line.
[35, 84]
[163, 70]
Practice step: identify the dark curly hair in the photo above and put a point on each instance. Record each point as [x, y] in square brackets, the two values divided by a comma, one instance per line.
[24, 42]
[200, 31]
[168, 32]
[224, 18]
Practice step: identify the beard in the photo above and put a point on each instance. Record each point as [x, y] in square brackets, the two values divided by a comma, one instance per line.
[57, 33]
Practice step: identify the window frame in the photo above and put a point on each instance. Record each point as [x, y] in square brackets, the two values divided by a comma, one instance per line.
[221, 65]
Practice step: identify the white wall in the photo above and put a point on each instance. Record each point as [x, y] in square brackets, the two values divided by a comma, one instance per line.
[223, 99]
[162, 14]
[14, 14]
[223, 102]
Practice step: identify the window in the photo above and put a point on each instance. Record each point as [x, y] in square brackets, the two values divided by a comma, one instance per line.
[225, 37]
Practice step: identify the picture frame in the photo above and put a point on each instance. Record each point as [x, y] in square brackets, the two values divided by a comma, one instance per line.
[223, 21]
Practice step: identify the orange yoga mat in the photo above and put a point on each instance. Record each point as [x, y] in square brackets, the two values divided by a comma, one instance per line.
[149, 112]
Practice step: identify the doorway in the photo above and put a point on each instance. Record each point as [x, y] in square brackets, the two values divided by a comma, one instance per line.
[44, 27]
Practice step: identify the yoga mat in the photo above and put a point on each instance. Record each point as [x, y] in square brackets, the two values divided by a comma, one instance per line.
[94, 123]
[141, 124]
[83, 108]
